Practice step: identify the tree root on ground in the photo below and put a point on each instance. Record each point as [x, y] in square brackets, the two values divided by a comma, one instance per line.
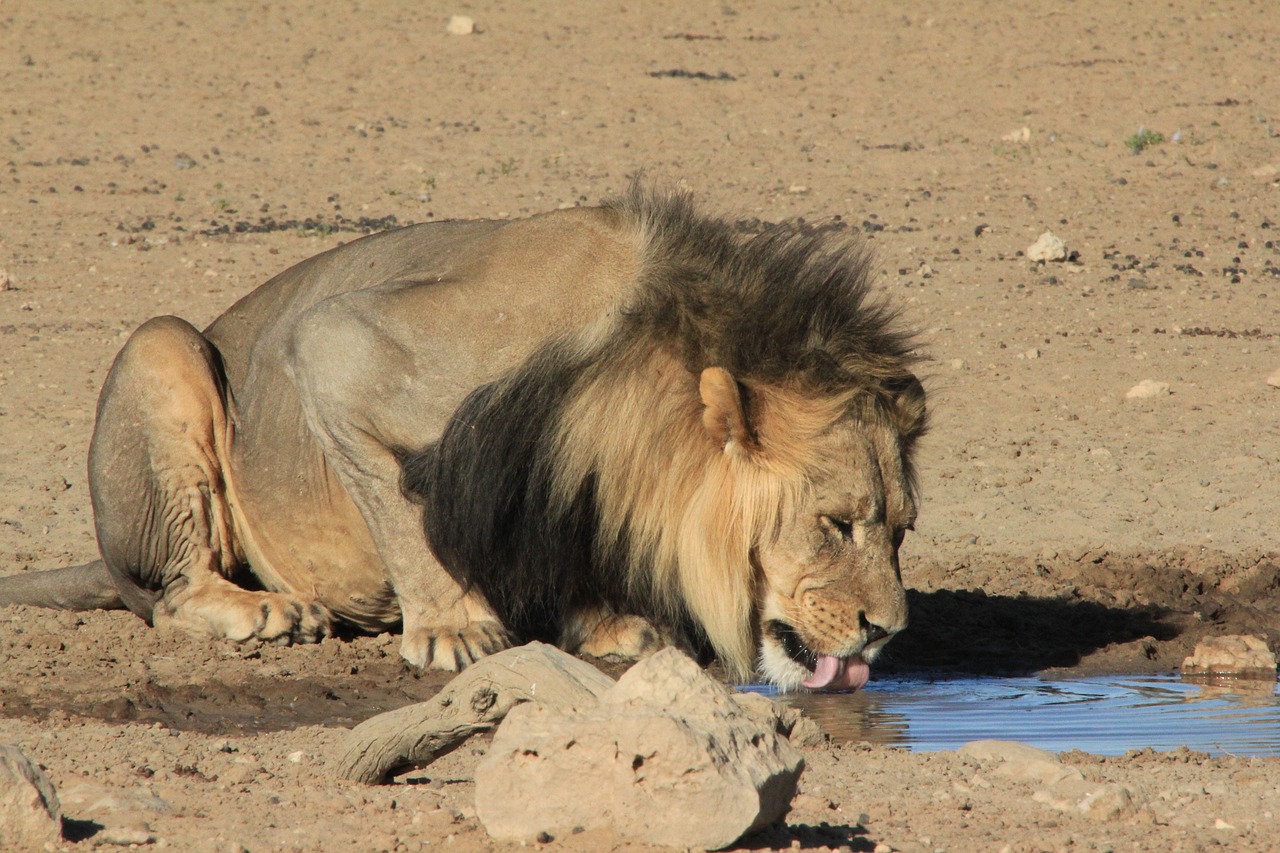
[475, 701]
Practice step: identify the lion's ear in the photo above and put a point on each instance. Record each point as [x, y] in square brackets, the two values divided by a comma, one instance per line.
[910, 411]
[724, 412]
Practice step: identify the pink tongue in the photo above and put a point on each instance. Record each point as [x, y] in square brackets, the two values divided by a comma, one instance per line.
[833, 673]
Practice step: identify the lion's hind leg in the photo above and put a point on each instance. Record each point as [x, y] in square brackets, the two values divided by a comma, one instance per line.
[158, 483]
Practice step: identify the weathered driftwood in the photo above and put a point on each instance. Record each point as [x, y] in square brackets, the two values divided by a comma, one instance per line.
[475, 701]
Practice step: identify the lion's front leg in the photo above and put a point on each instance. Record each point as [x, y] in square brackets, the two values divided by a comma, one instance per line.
[364, 399]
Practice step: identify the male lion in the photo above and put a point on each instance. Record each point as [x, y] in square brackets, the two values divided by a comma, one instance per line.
[619, 426]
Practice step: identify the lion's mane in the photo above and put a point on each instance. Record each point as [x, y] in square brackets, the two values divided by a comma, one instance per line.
[587, 478]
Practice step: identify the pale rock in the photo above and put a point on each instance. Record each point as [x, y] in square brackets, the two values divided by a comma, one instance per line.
[1052, 800]
[30, 814]
[1233, 654]
[786, 720]
[124, 836]
[1021, 762]
[798, 189]
[1274, 379]
[121, 812]
[460, 25]
[239, 774]
[805, 732]
[1266, 171]
[1021, 135]
[1147, 389]
[1110, 802]
[958, 364]
[87, 800]
[666, 756]
[1047, 248]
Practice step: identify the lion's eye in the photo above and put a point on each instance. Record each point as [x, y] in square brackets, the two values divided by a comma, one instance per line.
[836, 526]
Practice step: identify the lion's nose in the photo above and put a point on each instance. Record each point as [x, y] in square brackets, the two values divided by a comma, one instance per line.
[872, 631]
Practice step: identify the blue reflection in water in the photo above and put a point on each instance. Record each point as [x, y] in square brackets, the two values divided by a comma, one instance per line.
[1102, 715]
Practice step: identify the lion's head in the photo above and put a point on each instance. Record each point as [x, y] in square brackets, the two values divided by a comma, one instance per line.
[769, 516]
[729, 451]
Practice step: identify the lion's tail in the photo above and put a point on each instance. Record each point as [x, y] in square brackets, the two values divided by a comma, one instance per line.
[87, 587]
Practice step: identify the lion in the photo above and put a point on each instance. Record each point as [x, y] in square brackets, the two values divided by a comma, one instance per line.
[612, 428]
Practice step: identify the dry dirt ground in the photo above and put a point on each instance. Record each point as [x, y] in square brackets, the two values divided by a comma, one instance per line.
[167, 157]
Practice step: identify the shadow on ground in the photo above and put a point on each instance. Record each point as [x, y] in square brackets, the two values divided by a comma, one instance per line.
[968, 631]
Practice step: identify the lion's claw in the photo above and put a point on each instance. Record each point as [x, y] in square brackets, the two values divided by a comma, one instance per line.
[453, 649]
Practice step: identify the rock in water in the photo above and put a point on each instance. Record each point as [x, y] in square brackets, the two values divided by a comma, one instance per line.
[667, 756]
[1234, 654]
[30, 815]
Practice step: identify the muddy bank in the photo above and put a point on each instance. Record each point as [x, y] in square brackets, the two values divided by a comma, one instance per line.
[1084, 614]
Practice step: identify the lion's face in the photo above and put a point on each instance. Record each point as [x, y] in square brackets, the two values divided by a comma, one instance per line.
[832, 594]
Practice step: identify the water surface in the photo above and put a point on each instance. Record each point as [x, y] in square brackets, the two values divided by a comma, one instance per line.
[1105, 715]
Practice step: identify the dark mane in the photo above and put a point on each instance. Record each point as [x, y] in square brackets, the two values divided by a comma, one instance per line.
[787, 306]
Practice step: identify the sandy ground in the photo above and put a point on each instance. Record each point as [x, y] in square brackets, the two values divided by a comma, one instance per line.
[166, 158]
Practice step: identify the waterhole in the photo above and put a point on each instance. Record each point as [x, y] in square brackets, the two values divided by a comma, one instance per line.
[1102, 715]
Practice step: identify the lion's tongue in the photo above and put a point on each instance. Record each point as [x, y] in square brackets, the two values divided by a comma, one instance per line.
[833, 673]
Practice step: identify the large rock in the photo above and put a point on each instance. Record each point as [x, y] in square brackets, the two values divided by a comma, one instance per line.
[30, 815]
[1233, 654]
[1021, 762]
[666, 756]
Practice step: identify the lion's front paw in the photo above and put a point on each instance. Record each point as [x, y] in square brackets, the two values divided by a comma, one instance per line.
[623, 637]
[453, 649]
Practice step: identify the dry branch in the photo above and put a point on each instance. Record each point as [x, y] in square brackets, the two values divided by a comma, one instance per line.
[475, 701]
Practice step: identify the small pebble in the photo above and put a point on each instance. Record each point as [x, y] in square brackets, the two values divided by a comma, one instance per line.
[1047, 248]
[460, 25]
[1147, 389]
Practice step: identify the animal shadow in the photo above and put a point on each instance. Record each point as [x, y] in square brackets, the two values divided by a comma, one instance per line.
[969, 631]
[801, 836]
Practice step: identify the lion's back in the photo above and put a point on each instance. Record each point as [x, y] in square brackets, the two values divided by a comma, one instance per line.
[544, 276]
